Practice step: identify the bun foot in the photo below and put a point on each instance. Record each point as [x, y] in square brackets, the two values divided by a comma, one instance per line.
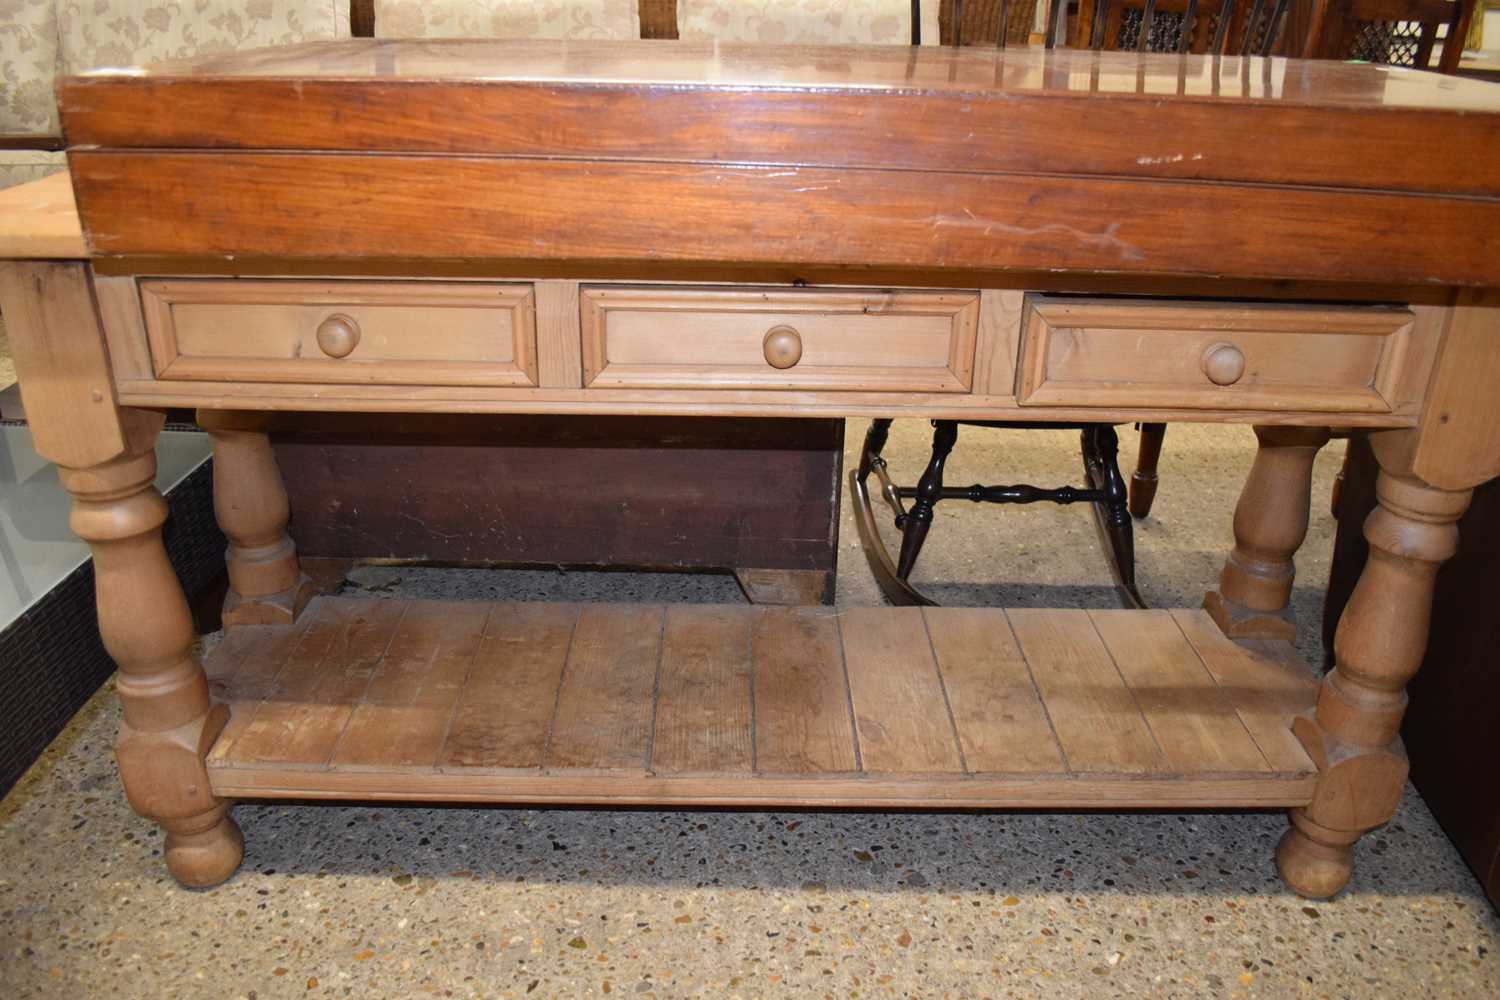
[1311, 869]
[206, 853]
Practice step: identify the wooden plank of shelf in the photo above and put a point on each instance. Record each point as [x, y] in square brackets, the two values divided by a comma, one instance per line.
[742, 706]
[703, 710]
[802, 720]
[900, 710]
[1002, 726]
[1193, 721]
[320, 683]
[243, 669]
[621, 789]
[1266, 681]
[248, 658]
[505, 715]
[403, 717]
[605, 704]
[1093, 711]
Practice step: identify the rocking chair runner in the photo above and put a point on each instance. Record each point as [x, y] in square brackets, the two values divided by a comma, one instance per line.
[1106, 491]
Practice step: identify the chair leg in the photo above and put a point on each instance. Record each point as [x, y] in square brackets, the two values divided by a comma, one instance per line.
[1101, 464]
[1143, 480]
[875, 438]
[919, 518]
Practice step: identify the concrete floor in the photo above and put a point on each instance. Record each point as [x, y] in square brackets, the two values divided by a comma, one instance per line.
[379, 901]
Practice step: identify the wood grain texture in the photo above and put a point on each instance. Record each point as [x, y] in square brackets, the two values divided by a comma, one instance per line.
[39, 220]
[671, 214]
[244, 670]
[793, 587]
[806, 403]
[415, 332]
[613, 790]
[877, 339]
[900, 708]
[406, 711]
[802, 720]
[604, 707]
[658, 18]
[1270, 523]
[1382, 636]
[858, 106]
[977, 22]
[168, 721]
[63, 365]
[1450, 728]
[1193, 721]
[508, 702]
[998, 345]
[1263, 683]
[782, 274]
[727, 674]
[1124, 352]
[1092, 710]
[1391, 396]
[266, 584]
[1458, 446]
[703, 708]
[558, 337]
[1002, 725]
[124, 324]
[322, 680]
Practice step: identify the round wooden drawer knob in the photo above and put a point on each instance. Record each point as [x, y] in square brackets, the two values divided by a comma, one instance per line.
[338, 335]
[1224, 364]
[782, 347]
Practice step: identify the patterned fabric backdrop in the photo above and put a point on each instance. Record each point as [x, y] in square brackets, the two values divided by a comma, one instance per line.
[772, 22]
[28, 64]
[507, 19]
[99, 33]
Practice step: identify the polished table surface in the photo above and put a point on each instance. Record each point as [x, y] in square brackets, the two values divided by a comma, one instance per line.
[617, 157]
[710, 230]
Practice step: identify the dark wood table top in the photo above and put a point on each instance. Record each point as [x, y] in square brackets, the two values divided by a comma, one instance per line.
[967, 159]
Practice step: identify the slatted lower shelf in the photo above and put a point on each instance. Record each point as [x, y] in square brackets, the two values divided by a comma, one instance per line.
[758, 707]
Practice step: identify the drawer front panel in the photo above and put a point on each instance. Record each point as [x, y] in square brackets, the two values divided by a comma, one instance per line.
[778, 339]
[1215, 356]
[393, 332]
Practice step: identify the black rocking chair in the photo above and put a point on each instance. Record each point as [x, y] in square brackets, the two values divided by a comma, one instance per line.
[1112, 502]
[1099, 27]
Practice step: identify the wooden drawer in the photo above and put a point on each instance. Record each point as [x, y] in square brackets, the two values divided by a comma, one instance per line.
[398, 332]
[1216, 356]
[778, 338]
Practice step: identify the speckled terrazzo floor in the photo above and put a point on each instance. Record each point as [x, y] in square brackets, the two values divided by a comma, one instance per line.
[395, 902]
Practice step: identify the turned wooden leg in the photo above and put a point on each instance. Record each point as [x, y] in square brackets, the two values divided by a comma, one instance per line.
[1270, 523]
[169, 721]
[1381, 638]
[106, 458]
[266, 584]
[1143, 481]
[929, 489]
